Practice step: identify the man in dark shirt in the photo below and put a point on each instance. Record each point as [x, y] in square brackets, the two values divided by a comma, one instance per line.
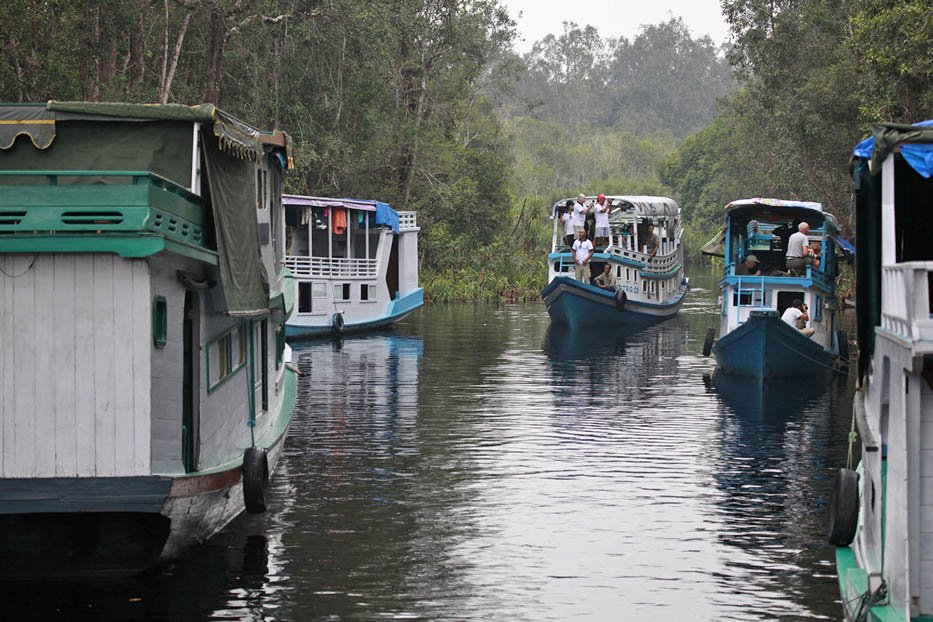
[749, 267]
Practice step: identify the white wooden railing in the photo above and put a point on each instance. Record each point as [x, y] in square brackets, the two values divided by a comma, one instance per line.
[905, 300]
[353, 268]
[407, 221]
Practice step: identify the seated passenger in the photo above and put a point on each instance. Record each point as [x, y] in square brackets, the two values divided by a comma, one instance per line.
[796, 316]
[749, 267]
[606, 280]
[799, 253]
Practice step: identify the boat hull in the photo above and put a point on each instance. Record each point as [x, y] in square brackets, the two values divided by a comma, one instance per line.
[767, 347]
[62, 528]
[397, 310]
[577, 304]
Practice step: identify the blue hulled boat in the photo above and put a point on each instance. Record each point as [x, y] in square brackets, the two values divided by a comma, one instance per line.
[649, 286]
[758, 287]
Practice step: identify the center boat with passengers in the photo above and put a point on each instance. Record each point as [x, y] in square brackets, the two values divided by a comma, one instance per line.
[355, 264]
[145, 394]
[648, 288]
[754, 341]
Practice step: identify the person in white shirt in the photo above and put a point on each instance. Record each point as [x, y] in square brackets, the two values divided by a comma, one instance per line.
[582, 252]
[579, 214]
[567, 219]
[796, 316]
[601, 210]
[799, 253]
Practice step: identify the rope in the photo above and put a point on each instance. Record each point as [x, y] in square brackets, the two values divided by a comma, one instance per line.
[853, 436]
[812, 360]
[28, 268]
[867, 601]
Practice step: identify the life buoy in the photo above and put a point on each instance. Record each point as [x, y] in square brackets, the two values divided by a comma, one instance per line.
[708, 342]
[843, 508]
[621, 300]
[843, 344]
[255, 479]
[337, 323]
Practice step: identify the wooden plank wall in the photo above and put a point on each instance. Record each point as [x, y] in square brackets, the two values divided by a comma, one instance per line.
[75, 333]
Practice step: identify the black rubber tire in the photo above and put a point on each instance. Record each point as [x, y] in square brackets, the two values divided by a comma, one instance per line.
[255, 479]
[843, 342]
[708, 342]
[843, 509]
[621, 300]
[337, 323]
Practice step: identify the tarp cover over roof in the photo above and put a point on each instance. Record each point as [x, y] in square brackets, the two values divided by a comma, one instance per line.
[914, 143]
[234, 136]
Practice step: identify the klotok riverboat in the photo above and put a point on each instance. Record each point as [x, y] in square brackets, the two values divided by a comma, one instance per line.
[754, 339]
[144, 388]
[355, 264]
[881, 514]
[649, 284]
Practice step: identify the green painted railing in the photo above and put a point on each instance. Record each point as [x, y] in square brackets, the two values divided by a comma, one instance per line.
[88, 211]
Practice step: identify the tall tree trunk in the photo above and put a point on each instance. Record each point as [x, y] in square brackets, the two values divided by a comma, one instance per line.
[215, 55]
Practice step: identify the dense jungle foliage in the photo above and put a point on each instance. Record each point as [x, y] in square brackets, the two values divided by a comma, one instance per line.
[425, 104]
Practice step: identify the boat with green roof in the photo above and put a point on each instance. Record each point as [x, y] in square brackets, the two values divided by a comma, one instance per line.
[145, 389]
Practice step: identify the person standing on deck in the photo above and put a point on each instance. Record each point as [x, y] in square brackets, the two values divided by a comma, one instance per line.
[799, 253]
[567, 220]
[652, 242]
[601, 210]
[582, 252]
[579, 214]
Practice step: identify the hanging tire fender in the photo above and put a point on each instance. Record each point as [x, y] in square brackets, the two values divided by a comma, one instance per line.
[621, 300]
[843, 508]
[255, 479]
[337, 323]
[708, 342]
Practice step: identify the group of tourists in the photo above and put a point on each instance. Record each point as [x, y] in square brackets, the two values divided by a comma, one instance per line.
[577, 236]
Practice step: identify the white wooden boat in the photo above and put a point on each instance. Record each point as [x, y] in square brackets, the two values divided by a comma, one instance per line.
[355, 265]
[144, 387]
[650, 287]
[881, 515]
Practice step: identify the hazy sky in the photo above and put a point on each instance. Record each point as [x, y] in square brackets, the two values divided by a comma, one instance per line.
[612, 17]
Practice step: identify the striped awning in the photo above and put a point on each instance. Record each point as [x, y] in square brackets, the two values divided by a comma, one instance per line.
[33, 121]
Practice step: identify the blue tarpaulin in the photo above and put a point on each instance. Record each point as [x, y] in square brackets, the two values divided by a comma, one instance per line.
[385, 215]
[918, 155]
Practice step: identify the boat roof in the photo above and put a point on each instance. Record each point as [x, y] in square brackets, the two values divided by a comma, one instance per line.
[644, 206]
[37, 121]
[914, 143]
[794, 208]
[305, 201]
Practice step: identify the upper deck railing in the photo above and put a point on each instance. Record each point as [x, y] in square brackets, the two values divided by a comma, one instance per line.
[905, 295]
[93, 209]
[407, 221]
[336, 267]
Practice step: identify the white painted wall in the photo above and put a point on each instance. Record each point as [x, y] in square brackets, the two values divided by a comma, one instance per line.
[408, 262]
[75, 334]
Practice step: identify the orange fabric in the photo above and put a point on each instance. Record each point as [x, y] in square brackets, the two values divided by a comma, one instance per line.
[339, 221]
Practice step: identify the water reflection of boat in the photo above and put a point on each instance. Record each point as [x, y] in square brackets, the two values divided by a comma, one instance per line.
[774, 399]
[563, 343]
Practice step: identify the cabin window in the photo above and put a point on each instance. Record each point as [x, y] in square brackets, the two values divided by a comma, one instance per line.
[367, 293]
[319, 290]
[159, 322]
[818, 310]
[305, 298]
[342, 292]
[748, 297]
[226, 354]
[279, 346]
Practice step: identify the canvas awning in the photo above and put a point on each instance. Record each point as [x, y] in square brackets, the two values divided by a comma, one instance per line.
[913, 142]
[26, 120]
